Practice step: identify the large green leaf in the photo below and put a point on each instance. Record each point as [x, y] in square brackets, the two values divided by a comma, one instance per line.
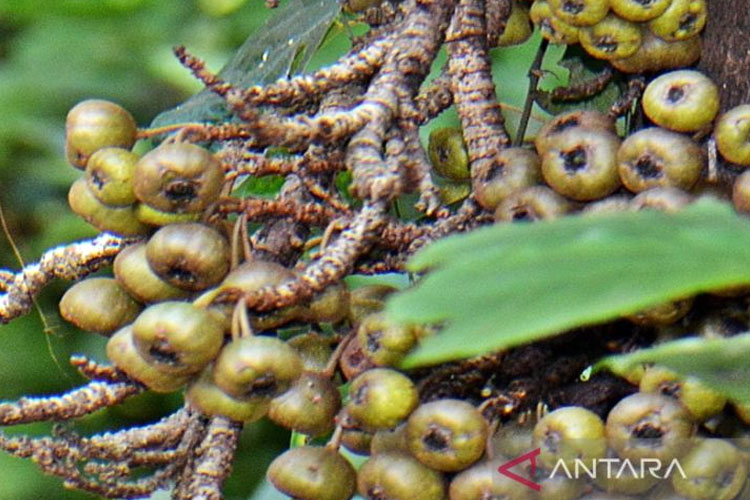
[722, 363]
[511, 284]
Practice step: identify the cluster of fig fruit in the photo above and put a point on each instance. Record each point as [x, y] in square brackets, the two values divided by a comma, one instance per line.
[636, 36]
[580, 163]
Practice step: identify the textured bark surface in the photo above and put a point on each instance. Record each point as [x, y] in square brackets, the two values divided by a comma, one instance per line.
[726, 50]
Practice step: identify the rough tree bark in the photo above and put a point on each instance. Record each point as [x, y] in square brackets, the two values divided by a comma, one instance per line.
[726, 50]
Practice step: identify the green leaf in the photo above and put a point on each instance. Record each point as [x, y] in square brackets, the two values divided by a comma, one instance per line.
[282, 47]
[511, 284]
[722, 364]
[582, 70]
[266, 186]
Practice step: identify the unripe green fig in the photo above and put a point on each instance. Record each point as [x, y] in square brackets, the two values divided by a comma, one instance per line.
[135, 275]
[95, 124]
[309, 405]
[257, 366]
[153, 217]
[109, 173]
[178, 337]
[189, 255]
[313, 473]
[203, 395]
[448, 154]
[122, 353]
[98, 305]
[119, 220]
[178, 177]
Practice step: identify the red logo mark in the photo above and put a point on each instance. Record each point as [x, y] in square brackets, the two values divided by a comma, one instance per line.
[531, 457]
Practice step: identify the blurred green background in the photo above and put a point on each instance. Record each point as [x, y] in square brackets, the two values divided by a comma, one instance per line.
[52, 55]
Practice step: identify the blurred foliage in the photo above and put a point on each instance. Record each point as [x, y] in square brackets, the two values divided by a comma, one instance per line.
[602, 267]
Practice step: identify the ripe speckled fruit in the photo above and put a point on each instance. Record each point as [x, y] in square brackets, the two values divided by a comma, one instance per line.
[381, 398]
[714, 470]
[329, 306]
[552, 28]
[518, 27]
[662, 314]
[655, 54]
[700, 401]
[666, 199]
[447, 434]
[314, 349]
[109, 173]
[366, 300]
[741, 193]
[655, 157]
[397, 476]
[178, 337]
[313, 473]
[684, 100]
[581, 164]
[513, 169]
[648, 425]
[683, 19]
[732, 134]
[611, 38]
[189, 255]
[579, 12]
[448, 154]
[98, 305]
[203, 395]
[257, 366]
[639, 10]
[122, 353]
[482, 481]
[627, 481]
[587, 119]
[178, 177]
[608, 205]
[567, 434]
[95, 124]
[384, 342]
[531, 204]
